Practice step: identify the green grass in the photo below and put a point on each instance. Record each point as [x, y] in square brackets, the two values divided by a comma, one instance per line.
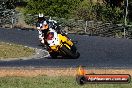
[51, 82]
[14, 51]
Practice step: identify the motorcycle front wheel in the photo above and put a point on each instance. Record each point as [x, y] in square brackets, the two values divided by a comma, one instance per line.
[70, 53]
[53, 55]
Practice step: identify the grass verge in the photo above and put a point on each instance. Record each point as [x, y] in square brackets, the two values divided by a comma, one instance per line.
[53, 78]
[14, 51]
[51, 82]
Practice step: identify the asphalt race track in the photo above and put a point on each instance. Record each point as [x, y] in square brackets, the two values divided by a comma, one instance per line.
[95, 51]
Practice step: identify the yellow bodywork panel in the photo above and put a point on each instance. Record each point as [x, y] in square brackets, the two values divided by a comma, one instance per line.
[65, 39]
[62, 39]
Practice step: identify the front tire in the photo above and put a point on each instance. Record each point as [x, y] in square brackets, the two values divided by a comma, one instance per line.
[69, 52]
[53, 55]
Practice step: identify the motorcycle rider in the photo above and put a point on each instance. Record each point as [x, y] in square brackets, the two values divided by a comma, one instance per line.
[39, 24]
[43, 26]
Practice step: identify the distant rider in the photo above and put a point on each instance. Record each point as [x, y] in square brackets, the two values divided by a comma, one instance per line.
[43, 24]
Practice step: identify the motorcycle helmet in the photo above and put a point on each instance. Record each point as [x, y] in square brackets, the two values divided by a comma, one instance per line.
[41, 17]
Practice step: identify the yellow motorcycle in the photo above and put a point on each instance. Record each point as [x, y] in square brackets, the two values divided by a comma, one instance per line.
[60, 45]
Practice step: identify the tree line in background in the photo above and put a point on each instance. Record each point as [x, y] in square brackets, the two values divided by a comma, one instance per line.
[97, 10]
[105, 10]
